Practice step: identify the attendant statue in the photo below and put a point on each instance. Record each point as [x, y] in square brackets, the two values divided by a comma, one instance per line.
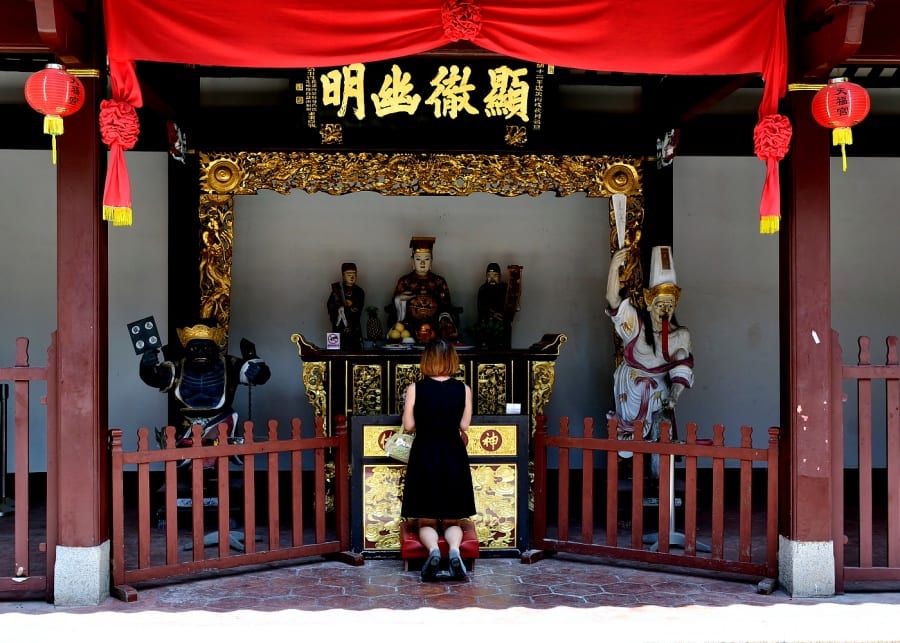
[204, 379]
[494, 327]
[657, 365]
[422, 298]
[345, 306]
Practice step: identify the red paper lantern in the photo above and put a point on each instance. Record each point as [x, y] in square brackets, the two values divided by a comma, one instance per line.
[55, 93]
[840, 105]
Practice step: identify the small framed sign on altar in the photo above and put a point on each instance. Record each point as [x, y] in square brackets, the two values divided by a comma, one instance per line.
[332, 341]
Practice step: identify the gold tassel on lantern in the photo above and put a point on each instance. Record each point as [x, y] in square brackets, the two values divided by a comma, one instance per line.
[842, 136]
[53, 125]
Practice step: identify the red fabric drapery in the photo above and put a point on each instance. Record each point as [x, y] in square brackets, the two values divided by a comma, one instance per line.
[701, 37]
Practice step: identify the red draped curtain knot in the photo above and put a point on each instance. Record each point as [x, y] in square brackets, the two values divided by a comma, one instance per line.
[461, 19]
[119, 123]
[772, 137]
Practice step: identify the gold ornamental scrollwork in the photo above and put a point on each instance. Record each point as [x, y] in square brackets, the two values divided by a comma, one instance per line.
[315, 376]
[620, 178]
[216, 245]
[495, 492]
[543, 375]
[331, 133]
[367, 389]
[516, 135]
[414, 174]
[221, 176]
[491, 389]
[404, 375]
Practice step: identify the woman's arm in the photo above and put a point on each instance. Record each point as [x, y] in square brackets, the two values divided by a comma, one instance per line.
[467, 411]
[409, 419]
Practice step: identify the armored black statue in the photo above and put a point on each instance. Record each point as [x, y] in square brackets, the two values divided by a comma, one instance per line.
[204, 378]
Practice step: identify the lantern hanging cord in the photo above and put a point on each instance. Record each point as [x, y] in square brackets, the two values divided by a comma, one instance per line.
[84, 73]
[794, 87]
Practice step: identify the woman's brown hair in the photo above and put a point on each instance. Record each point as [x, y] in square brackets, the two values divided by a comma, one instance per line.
[439, 359]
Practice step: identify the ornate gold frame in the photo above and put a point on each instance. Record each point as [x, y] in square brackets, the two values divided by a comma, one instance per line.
[226, 175]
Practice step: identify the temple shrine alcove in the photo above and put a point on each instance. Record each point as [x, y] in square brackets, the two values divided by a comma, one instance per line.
[226, 176]
[366, 383]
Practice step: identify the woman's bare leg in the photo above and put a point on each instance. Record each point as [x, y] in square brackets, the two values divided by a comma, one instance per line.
[453, 534]
[428, 534]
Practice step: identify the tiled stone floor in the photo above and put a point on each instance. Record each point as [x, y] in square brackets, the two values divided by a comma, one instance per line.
[563, 594]
[495, 583]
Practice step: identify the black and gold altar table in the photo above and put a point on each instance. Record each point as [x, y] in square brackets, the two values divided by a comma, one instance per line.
[372, 382]
[510, 389]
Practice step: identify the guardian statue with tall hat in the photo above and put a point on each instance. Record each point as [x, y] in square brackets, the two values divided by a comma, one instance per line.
[657, 364]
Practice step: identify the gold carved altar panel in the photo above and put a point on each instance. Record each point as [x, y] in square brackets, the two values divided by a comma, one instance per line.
[367, 386]
[491, 389]
[495, 451]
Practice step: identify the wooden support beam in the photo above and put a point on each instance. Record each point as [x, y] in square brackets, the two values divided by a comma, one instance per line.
[880, 44]
[18, 29]
[671, 101]
[829, 33]
[61, 31]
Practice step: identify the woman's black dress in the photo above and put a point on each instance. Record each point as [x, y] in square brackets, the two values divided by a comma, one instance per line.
[438, 479]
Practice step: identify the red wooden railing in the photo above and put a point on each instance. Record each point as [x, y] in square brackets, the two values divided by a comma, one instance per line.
[867, 546]
[731, 547]
[22, 581]
[172, 551]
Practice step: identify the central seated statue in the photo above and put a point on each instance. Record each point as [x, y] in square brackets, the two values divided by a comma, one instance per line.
[422, 298]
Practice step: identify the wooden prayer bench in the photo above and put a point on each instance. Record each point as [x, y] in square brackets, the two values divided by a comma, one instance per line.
[413, 552]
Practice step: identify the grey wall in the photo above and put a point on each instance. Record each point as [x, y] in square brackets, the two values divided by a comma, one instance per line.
[288, 249]
[138, 274]
[729, 276]
[27, 274]
[137, 282]
[865, 233]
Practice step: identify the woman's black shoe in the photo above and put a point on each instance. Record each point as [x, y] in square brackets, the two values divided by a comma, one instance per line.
[430, 568]
[457, 567]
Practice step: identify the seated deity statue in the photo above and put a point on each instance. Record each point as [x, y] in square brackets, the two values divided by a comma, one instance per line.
[422, 298]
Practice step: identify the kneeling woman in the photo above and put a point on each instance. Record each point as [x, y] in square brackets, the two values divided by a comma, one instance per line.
[438, 488]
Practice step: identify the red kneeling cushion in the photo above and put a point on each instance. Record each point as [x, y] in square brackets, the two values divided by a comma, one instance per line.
[411, 548]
